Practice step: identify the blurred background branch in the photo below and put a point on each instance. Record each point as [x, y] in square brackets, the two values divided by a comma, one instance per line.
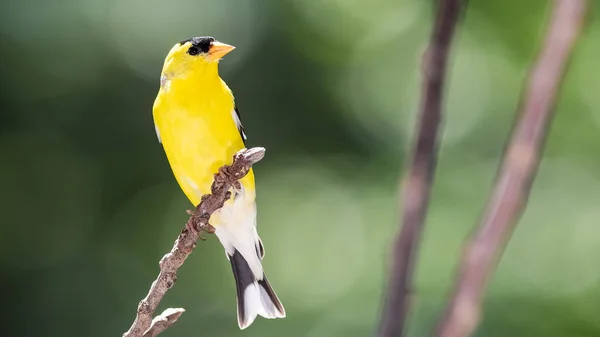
[144, 325]
[517, 171]
[418, 180]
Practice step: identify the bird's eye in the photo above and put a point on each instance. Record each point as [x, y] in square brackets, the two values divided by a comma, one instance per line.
[193, 51]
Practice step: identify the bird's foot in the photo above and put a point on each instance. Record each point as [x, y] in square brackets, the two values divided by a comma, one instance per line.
[191, 224]
[225, 176]
[208, 228]
[198, 223]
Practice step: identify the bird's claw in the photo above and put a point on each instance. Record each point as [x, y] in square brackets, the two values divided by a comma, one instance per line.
[190, 225]
[197, 227]
[225, 176]
[208, 228]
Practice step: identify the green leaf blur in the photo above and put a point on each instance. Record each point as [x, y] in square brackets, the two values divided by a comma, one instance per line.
[89, 205]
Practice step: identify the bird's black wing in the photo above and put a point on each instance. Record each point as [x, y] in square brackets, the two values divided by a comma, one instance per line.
[238, 123]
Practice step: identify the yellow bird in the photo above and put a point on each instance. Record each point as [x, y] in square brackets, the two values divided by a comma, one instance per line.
[199, 126]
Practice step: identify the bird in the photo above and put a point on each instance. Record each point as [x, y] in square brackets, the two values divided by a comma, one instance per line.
[199, 126]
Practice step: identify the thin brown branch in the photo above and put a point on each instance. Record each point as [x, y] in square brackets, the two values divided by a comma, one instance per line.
[228, 176]
[516, 174]
[415, 194]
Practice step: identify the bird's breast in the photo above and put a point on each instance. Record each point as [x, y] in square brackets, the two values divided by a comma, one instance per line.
[198, 134]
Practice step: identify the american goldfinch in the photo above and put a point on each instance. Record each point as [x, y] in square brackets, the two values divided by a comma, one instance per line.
[200, 129]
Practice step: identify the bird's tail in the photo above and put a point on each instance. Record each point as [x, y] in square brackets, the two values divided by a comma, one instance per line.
[235, 226]
[255, 296]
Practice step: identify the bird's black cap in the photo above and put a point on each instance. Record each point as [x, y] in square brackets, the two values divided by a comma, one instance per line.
[200, 42]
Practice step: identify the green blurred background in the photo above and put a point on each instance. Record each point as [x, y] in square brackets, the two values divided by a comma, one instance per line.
[330, 88]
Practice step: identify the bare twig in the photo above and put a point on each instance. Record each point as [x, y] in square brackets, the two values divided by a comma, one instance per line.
[227, 177]
[415, 194]
[517, 172]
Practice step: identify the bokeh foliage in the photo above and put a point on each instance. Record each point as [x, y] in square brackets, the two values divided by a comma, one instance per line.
[330, 88]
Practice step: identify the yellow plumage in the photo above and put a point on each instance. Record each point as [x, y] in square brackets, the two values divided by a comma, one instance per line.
[196, 121]
[193, 113]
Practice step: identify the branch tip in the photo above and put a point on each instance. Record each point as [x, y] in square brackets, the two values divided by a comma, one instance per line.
[252, 155]
[161, 322]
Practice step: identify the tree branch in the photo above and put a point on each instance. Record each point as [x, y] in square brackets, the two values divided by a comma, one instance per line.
[517, 172]
[415, 194]
[227, 177]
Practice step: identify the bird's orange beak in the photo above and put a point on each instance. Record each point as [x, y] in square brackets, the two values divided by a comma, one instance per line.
[218, 50]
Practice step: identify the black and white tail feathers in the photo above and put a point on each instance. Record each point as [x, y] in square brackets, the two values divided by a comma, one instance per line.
[254, 296]
[235, 226]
